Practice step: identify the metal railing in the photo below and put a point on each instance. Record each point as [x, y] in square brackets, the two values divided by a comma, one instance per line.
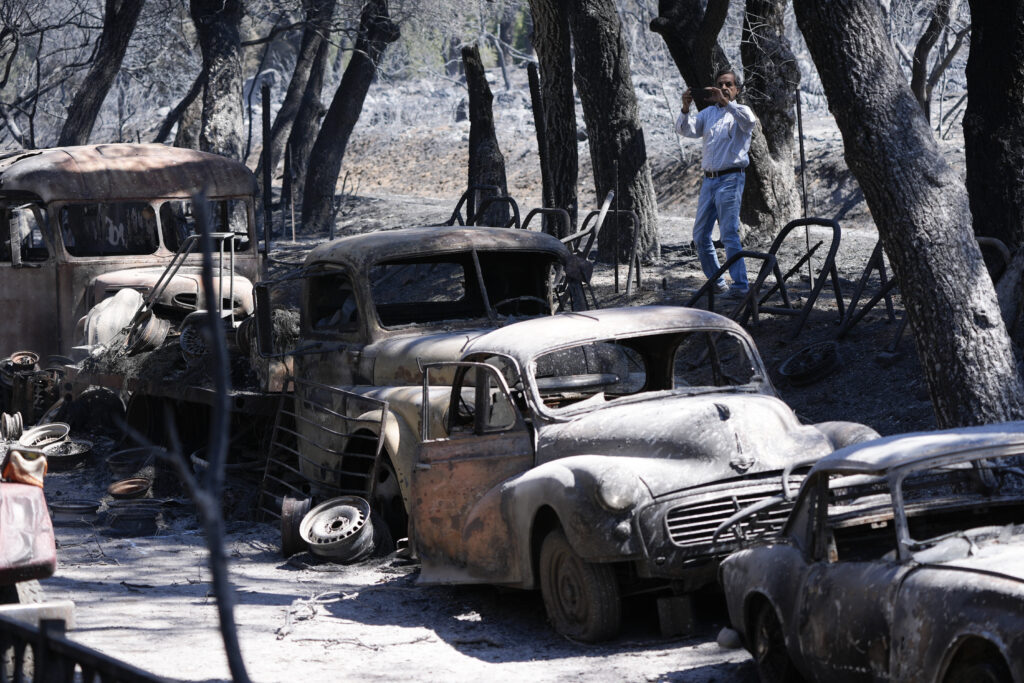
[44, 654]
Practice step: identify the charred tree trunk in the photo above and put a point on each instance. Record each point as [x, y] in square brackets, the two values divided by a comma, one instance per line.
[771, 85]
[217, 23]
[551, 40]
[921, 209]
[119, 21]
[691, 35]
[994, 120]
[486, 163]
[177, 114]
[376, 32]
[613, 127]
[919, 68]
[190, 124]
[311, 112]
[318, 21]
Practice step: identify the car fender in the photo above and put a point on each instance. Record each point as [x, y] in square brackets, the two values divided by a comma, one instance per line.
[842, 434]
[567, 487]
[939, 608]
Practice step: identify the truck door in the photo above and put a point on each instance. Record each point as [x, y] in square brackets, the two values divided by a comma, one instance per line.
[483, 441]
[28, 285]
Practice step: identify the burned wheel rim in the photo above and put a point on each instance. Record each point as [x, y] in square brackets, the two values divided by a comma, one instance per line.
[339, 529]
[581, 598]
[770, 653]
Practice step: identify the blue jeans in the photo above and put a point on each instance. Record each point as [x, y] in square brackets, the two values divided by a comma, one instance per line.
[720, 200]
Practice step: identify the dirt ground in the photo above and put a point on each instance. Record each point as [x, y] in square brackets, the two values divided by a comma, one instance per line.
[147, 600]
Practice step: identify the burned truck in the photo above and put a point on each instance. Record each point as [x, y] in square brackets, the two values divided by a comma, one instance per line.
[78, 225]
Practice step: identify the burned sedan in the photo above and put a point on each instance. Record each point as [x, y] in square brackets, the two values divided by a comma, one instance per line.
[901, 560]
[591, 455]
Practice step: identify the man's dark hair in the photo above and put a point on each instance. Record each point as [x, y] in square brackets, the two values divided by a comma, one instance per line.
[735, 77]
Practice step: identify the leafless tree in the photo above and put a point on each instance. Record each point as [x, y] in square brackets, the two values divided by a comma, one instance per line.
[376, 32]
[920, 206]
[217, 27]
[994, 121]
[119, 19]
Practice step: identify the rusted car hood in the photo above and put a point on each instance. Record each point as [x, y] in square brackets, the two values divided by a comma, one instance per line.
[716, 435]
[398, 360]
[1005, 559]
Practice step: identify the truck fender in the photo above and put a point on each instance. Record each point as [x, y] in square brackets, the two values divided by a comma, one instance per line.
[398, 434]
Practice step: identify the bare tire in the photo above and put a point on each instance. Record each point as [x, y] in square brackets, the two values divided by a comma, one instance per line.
[24, 593]
[774, 664]
[581, 598]
[980, 665]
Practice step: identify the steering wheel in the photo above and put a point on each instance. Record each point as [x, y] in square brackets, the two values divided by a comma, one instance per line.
[546, 307]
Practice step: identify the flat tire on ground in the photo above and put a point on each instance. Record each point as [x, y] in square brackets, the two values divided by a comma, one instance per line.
[581, 598]
[774, 664]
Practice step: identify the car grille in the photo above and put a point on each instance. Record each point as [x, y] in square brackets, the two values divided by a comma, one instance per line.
[694, 523]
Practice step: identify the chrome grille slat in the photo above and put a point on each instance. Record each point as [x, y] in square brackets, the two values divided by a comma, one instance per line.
[694, 524]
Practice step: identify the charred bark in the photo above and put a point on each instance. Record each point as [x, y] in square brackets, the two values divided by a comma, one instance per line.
[691, 35]
[921, 209]
[310, 59]
[119, 19]
[994, 120]
[311, 112]
[770, 88]
[190, 123]
[217, 28]
[919, 84]
[613, 126]
[176, 115]
[376, 32]
[486, 163]
[552, 42]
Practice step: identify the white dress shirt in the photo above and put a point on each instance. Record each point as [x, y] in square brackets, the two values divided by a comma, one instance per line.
[726, 132]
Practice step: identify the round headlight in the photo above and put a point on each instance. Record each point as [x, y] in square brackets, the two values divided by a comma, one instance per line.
[617, 490]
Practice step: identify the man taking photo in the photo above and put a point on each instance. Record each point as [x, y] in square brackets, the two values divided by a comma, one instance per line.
[726, 129]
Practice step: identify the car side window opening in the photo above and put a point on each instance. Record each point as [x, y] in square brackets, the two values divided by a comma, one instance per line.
[712, 359]
[21, 227]
[178, 221]
[479, 403]
[109, 229]
[332, 304]
[601, 370]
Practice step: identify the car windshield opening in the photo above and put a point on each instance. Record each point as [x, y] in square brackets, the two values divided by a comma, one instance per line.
[446, 287]
[177, 221]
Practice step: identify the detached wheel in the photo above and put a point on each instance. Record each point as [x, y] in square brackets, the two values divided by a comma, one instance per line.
[581, 598]
[773, 662]
[24, 593]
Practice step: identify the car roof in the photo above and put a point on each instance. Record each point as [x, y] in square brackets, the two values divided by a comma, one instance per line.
[529, 338]
[122, 172]
[918, 449]
[366, 249]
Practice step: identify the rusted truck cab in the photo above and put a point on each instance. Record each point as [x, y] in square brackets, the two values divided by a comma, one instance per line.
[78, 224]
[376, 307]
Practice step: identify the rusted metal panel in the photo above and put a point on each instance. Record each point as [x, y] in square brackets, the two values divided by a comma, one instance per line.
[122, 171]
